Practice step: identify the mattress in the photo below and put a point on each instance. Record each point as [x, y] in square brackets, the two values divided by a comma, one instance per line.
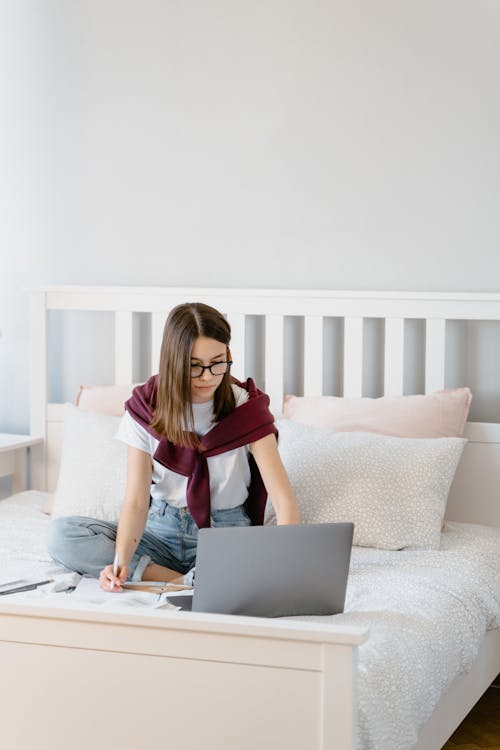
[427, 613]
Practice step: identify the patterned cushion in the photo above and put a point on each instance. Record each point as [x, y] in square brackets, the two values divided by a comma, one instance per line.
[393, 489]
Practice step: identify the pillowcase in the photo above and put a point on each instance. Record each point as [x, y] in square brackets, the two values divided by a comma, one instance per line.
[440, 414]
[92, 474]
[104, 399]
[393, 489]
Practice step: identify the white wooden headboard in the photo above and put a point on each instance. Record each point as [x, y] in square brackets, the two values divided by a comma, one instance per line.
[475, 494]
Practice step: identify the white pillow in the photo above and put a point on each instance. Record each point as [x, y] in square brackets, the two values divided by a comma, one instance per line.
[393, 489]
[92, 473]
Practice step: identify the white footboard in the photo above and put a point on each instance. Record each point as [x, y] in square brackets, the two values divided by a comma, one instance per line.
[88, 679]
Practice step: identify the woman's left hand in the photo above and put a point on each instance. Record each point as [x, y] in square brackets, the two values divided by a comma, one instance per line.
[273, 473]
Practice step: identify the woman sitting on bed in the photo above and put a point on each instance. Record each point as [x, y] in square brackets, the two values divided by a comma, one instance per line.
[202, 452]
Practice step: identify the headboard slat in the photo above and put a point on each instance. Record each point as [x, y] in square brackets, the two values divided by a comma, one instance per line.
[435, 340]
[394, 356]
[274, 351]
[157, 324]
[313, 355]
[353, 357]
[237, 323]
[123, 346]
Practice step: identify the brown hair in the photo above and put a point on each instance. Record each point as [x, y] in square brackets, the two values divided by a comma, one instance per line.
[173, 415]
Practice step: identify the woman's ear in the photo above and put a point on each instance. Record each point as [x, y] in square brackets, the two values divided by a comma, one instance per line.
[228, 354]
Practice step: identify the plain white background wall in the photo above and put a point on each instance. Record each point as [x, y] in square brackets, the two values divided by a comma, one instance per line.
[297, 143]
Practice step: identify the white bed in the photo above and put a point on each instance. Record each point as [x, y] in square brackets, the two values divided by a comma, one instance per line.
[365, 679]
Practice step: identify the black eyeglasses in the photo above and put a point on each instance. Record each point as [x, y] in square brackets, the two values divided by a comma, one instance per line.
[218, 368]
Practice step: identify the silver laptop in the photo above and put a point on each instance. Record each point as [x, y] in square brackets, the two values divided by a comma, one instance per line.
[271, 571]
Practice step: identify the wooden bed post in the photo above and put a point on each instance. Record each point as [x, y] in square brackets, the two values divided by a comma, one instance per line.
[338, 702]
[38, 387]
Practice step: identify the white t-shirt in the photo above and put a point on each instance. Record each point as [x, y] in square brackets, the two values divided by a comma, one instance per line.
[229, 472]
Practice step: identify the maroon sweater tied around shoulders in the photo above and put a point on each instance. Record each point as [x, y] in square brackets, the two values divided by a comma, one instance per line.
[249, 422]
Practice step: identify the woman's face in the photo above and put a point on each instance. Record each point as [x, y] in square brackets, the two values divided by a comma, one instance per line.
[206, 351]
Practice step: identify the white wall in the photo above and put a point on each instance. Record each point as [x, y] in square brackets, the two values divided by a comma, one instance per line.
[297, 143]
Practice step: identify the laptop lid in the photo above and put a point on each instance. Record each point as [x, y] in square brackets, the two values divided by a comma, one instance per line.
[273, 571]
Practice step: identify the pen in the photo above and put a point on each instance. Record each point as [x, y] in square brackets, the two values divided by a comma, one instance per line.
[28, 587]
[12, 583]
[115, 569]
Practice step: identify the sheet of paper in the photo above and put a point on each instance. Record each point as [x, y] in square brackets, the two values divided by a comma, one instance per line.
[88, 591]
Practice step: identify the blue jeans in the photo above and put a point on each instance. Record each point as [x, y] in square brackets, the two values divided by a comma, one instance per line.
[170, 538]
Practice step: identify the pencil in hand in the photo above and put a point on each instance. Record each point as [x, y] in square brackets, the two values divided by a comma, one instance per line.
[115, 570]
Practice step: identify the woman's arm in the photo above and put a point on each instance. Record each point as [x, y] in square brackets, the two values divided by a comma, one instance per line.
[133, 514]
[265, 452]
[136, 504]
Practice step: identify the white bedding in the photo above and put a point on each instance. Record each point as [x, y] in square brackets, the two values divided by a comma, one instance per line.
[427, 613]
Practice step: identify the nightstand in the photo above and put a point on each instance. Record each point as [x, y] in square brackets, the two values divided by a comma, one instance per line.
[13, 457]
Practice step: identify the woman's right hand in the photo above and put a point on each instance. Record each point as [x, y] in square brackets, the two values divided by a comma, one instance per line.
[107, 577]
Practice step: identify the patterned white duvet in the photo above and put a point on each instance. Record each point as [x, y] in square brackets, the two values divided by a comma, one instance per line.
[427, 613]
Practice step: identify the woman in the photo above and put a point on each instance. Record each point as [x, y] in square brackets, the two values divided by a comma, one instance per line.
[202, 452]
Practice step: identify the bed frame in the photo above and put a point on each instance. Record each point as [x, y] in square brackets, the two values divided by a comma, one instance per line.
[213, 680]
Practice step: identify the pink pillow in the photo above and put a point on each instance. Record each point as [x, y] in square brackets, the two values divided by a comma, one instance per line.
[440, 414]
[104, 399]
